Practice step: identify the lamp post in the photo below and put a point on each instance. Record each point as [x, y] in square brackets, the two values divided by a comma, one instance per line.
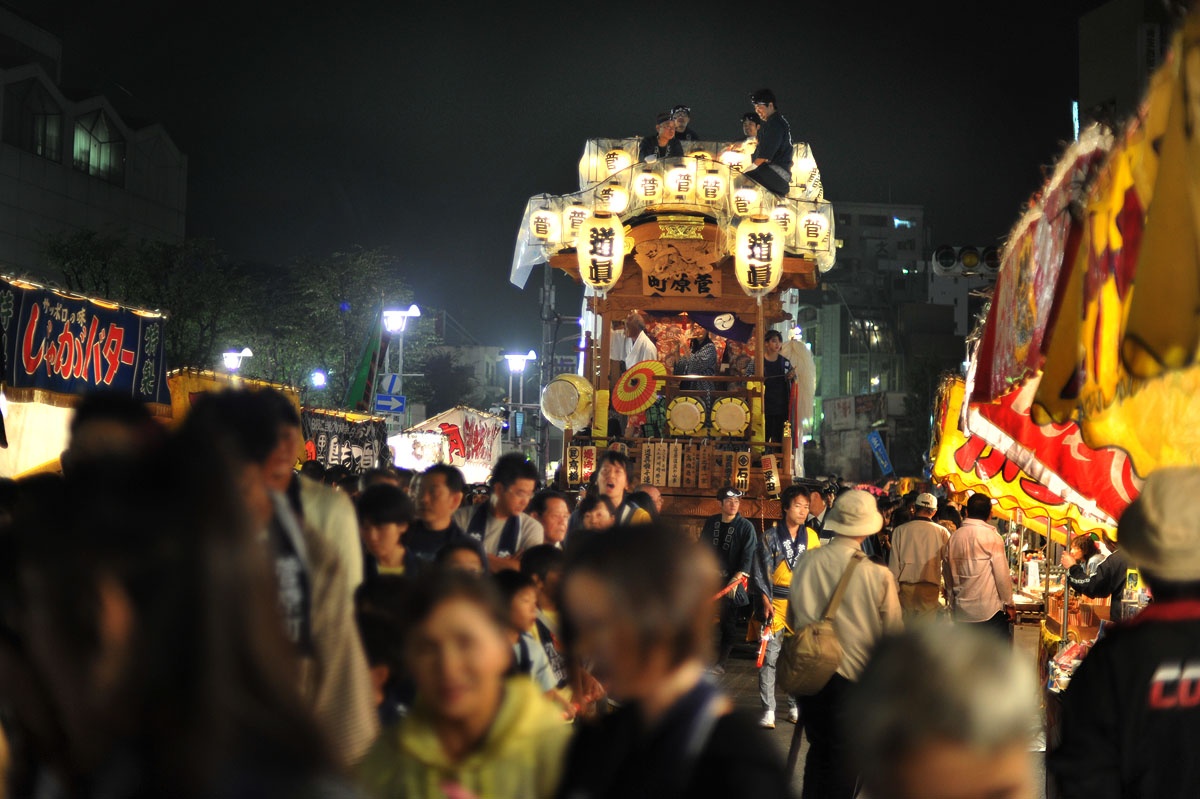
[233, 358]
[516, 366]
[395, 320]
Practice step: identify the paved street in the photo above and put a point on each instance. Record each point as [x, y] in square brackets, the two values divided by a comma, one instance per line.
[741, 682]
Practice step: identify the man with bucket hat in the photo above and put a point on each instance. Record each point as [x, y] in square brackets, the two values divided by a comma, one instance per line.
[1131, 714]
[869, 608]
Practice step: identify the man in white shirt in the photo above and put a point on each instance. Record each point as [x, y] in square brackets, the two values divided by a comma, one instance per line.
[501, 523]
[978, 584]
[918, 551]
[638, 346]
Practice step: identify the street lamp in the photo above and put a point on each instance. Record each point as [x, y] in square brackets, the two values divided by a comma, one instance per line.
[395, 320]
[516, 366]
[318, 379]
[233, 358]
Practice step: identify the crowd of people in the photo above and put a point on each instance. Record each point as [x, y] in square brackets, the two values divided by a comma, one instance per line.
[185, 613]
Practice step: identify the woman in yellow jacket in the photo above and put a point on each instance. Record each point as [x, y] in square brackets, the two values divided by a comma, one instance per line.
[474, 731]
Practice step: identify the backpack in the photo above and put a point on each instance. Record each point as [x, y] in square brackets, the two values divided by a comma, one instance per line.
[810, 656]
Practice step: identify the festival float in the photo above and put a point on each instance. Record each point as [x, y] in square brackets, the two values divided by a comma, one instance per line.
[683, 241]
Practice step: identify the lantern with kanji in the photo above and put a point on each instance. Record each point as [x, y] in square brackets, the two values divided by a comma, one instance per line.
[746, 201]
[617, 159]
[734, 159]
[573, 216]
[613, 197]
[681, 182]
[648, 186]
[814, 229]
[786, 217]
[712, 186]
[600, 247]
[758, 255]
[545, 226]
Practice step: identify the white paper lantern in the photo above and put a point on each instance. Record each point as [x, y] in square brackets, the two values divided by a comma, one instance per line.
[617, 159]
[814, 228]
[573, 216]
[681, 182]
[734, 159]
[786, 218]
[803, 169]
[546, 226]
[648, 186]
[758, 255]
[600, 247]
[746, 201]
[613, 197]
[712, 186]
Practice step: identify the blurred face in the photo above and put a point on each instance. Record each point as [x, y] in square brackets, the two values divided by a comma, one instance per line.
[655, 496]
[797, 512]
[554, 520]
[764, 110]
[612, 482]
[666, 129]
[282, 460]
[945, 770]
[463, 559]
[512, 500]
[383, 541]
[773, 346]
[749, 128]
[457, 657]
[730, 506]
[681, 121]
[598, 518]
[606, 637]
[523, 609]
[435, 502]
[816, 503]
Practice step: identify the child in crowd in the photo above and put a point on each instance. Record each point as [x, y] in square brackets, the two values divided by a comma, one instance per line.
[530, 658]
[384, 514]
[473, 729]
[463, 555]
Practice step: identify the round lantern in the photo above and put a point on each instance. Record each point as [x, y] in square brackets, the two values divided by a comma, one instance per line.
[758, 255]
[600, 247]
[712, 186]
[573, 216]
[681, 182]
[803, 169]
[545, 226]
[617, 159]
[746, 201]
[814, 227]
[701, 156]
[648, 186]
[734, 159]
[613, 197]
[786, 218]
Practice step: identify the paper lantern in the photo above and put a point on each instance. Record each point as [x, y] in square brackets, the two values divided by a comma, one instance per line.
[786, 218]
[573, 216]
[803, 169]
[814, 227]
[617, 159]
[681, 182]
[600, 247]
[545, 226]
[758, 255]
[734, 159]
[700, 155]
[746, 201]
[613, 197]
[712, 186]
[648, 186]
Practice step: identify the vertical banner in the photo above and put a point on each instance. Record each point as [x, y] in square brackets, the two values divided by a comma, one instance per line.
[646, 463]
[574, 474]
[704, 466]
[880, 452]
[689, 465]
[675, 465]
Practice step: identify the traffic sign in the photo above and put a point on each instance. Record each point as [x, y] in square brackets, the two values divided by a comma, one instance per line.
[389, 383]
[390, 403]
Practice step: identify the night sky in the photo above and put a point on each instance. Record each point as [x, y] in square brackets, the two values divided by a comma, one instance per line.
[424, 128]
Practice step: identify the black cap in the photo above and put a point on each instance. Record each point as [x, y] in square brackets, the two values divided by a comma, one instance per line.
[750, 116]
[728, 492]
[663, 116]
[681, 109]
[762, 97]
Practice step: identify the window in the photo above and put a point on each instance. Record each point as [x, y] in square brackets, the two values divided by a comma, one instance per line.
[870, 220]
[99, 148]
[33, 121]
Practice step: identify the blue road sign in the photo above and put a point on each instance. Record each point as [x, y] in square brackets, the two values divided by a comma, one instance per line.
[390, 403]
[877, 447]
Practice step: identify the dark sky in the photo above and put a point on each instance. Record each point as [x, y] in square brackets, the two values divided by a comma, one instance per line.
[425, 127]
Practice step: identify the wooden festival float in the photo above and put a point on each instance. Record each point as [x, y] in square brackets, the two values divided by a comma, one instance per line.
[682, 241]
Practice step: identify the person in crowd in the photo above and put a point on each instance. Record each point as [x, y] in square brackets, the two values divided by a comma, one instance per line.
[656, 498]
[501, 524]
[597, 513]
[313, 470]
[384, 515]
[979, 589]
[944, 712]
[520, 595]
[772, 156]
[1085, 550]
[918, 551]
[1130, 716]
[551, 509]
[477, 494]
[778, 375]
[462, 554]
[380, 624]
[751, 122]
[948, 517]
[697, 356]
[683, 116]
[771, 580]
[335, 474]
[473, 731]
[734, 541]
[110, 424]
[159, 640]
[820, 497]
[1107, 581]
[645, 501]
[328, 512]
[404, 477]
[637, 606]
[638, 345]
[869, 609]
[662, 143]
[439, 495]
[382, 474]
[612, 479]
